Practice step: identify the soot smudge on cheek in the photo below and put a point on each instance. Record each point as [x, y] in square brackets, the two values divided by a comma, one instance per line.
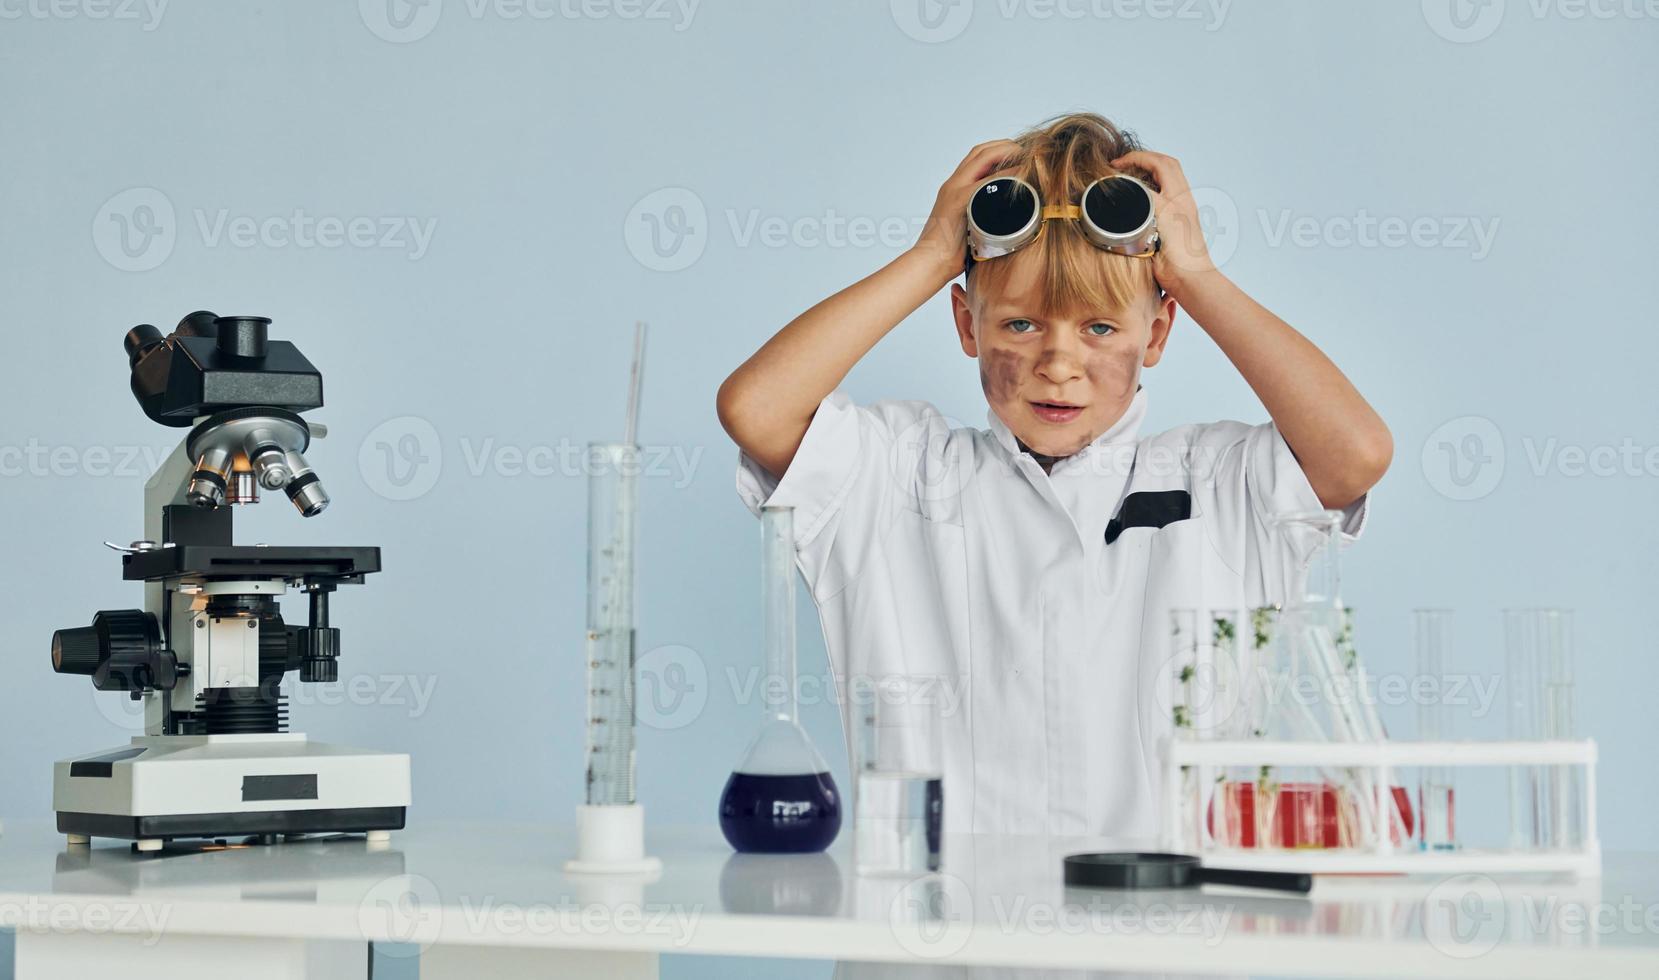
[999, 374]
[1115, 371]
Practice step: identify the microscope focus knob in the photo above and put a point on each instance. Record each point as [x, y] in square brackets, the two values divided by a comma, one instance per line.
[120, 651]
[76, 650]
[319, 649]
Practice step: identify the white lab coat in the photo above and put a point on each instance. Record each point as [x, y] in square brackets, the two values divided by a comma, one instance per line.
[946, 552]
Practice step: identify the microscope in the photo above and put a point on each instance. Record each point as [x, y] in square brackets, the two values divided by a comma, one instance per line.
[208, 652]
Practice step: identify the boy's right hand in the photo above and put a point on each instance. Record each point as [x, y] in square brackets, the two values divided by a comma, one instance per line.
[944, 238]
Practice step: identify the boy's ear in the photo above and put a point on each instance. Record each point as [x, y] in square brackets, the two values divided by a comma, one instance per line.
[962, 310]
[1162, 321]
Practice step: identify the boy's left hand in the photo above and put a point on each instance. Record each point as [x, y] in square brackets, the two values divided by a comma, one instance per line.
[1183, 255]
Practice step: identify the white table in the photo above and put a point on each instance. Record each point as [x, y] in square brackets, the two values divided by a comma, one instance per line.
[485, 899]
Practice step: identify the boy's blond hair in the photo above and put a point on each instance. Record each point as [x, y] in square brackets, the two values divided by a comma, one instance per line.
[1061, 158]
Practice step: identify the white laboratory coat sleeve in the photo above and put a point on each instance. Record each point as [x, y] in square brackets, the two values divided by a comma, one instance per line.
[855, 470]
[1246, 476]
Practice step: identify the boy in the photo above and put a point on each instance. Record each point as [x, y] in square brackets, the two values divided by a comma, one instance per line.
[1031, 567]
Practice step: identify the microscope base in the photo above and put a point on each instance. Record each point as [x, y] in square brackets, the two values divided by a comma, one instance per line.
[178, 786]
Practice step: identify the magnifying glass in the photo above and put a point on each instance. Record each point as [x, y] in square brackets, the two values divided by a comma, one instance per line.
[1153, 869]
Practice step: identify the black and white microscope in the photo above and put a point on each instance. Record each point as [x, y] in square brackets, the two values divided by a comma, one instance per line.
[208, 651]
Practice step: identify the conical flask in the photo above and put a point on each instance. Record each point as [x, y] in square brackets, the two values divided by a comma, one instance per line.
[780, 799]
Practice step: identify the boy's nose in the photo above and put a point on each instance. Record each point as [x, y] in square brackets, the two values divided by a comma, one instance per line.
[1059, 363]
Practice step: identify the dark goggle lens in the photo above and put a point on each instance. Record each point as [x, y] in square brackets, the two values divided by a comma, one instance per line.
[1002, 207]
[1117, 207]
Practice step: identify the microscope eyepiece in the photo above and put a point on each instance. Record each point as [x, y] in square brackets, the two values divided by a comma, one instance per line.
[140, 340]
[242, 337]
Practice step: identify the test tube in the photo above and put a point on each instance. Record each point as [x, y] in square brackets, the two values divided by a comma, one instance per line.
[1435, 795]
[1544, 801]
[610, 637]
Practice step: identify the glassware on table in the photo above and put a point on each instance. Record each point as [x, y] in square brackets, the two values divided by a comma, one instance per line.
[1545, 802]
[898, 767]
[780, 799]
[1436, 797]
[612, 501]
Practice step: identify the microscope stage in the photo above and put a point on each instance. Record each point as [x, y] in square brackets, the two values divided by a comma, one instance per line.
[166, 786]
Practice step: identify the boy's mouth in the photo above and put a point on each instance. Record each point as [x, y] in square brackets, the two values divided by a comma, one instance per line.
[1056, 412]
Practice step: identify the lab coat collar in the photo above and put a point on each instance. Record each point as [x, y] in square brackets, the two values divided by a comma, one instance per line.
[1125, 430]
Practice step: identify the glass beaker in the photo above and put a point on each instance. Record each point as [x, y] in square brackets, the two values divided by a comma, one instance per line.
[1317, 579]
[1544, 802]
[898, 765]
[781, 798]
[612, 502]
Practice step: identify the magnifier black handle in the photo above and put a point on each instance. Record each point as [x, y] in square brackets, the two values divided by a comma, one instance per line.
[1281, 881]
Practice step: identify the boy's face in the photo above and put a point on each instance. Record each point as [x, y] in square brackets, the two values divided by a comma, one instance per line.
[1058, 380]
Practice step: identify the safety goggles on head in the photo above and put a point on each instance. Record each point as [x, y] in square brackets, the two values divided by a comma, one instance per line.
[1115, 212]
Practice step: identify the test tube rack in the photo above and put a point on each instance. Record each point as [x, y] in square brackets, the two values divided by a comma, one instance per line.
[1196, 763]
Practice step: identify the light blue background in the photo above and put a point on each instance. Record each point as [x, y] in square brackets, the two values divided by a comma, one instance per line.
[530, 142]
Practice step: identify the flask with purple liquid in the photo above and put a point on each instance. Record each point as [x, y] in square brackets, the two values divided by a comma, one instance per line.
[780, 799]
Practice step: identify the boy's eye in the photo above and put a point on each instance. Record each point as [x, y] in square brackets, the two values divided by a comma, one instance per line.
[1021, 326]
[1102, 329]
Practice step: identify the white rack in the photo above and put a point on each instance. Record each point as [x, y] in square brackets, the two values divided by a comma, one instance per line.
[1379, 853]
